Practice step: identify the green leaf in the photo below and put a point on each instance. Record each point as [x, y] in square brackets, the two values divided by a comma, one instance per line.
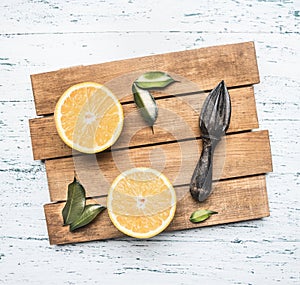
[89, 214]
[146, 104]
[75, 202]
[154, 79]
[201, 215]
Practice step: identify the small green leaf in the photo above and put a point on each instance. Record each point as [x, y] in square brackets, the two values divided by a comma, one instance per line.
[89, 214]
[201, 215]
[146, 104]
[154, 79]
[75, 202]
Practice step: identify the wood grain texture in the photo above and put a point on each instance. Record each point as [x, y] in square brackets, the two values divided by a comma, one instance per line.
[189, 16]
[39, 36]
[177, 120]
[235, 64]
[234, 200]
[170, 151]
[239, 155]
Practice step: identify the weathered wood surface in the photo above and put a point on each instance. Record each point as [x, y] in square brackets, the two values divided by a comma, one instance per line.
[177, 120]
[235, 64]
[38, 36]
[238, 155]
[234, 200]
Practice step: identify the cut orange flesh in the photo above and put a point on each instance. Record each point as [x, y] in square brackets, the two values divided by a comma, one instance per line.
[88, 117]
[141, 202]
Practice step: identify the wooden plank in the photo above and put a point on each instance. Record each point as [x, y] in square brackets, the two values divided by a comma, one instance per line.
[234, 200]
[205, 67]
[178, 119]
[239, 155]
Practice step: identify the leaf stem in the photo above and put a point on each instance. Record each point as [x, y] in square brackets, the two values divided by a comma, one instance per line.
[152, 129]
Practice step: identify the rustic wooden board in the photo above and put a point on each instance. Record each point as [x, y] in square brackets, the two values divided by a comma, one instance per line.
[177, 120]
[240, 160]
[239, 155]
[234, 200]
[37, 36]
[235, 63]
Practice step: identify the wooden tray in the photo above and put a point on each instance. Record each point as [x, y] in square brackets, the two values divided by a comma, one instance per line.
[240, 192]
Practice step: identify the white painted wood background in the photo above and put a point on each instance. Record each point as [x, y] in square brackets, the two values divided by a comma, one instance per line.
[41, 35]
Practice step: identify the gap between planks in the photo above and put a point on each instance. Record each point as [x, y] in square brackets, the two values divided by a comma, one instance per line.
[178, 120]
[198, 69]
[234, 200]
[238, 155]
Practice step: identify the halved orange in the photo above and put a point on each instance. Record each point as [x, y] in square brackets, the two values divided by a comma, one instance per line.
[141, 202]
[88, 117]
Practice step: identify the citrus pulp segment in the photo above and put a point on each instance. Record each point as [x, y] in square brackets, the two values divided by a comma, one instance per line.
[141, 202]
[88, 117]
